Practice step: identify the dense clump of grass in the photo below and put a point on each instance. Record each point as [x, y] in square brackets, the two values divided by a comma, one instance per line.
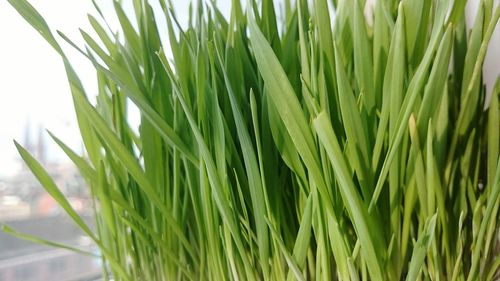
[304, 146]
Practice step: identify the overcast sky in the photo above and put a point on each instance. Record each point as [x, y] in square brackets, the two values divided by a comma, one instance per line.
[33, 85]
[32, 79]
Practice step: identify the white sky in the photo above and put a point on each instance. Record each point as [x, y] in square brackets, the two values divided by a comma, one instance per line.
[33, 86]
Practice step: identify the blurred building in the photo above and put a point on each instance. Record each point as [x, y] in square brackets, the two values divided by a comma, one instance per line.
[28, 208]
[22, 196]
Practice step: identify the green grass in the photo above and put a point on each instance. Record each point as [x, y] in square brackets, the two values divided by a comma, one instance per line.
[286, 147]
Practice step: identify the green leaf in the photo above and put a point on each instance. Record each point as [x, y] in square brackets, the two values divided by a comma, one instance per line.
[25, 9]
[414, 88]
[127, 160]
[366, 229]
[294, 268]
[286, 103]
[51, 188]
[356, 132]
[493, 200]
[421, 248]
[27, 237]
[85, 169]
[254, 177]
[363, 60]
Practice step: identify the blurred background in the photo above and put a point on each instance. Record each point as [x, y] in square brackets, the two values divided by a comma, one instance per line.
[35, 97]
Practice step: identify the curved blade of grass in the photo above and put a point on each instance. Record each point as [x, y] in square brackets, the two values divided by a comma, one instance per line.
[37, 240]
[357, 138]
[294, 268]
[49, 185]
[34, 18]
[366, 228]
[420, 249]
[303, 237]
[215, 181]
[257, 190]
[435, 87]
[493, 199]
[183, 268]
[281, 92]
[127, 160]
[283, 141]
[493, 132]
[287, 105]
[106, 207]
[392, 82]
[87, 171]
[120, 76]
[414, 88]
[51, 188]
[470, 90]
[363, 60]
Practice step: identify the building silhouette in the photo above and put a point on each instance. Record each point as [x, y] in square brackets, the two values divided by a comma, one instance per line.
[26, 207]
